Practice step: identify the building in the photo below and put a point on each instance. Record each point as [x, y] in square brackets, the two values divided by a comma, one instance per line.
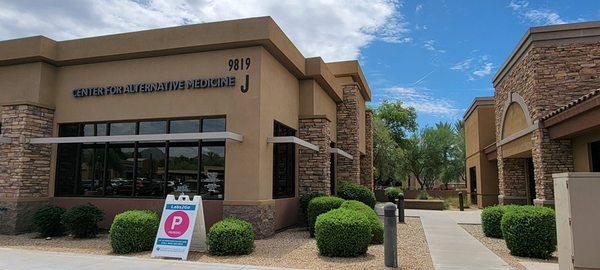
[229, 110]
[546, 116]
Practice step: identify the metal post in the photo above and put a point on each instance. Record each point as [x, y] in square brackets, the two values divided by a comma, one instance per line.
[461, 201]
[390, 238]
[400, 205]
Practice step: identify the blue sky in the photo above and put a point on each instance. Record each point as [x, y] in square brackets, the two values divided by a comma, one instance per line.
[453, 49]
[434, 55]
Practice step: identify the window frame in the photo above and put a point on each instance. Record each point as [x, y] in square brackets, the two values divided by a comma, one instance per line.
[291, 191]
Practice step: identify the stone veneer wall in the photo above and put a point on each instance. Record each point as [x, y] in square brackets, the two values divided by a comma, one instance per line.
[347, 135]
[24, 168]
[512, 180]
[314, 166]
[366, 160]
[262, 217]
[548, 77]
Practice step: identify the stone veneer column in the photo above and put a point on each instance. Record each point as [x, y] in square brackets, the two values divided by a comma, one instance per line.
[366, 160]
[347, 135]
[24, 167]
[549, 156]
[512, 180]
[262, 217]
[313, 166]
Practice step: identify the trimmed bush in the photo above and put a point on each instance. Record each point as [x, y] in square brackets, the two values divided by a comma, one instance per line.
[133, 231]
[304, 200]
[82, 220]
[319, 206]
[230, 236]
[374, 222]
[47, 220]
[530, 231]
[393, 193]
[343, 233]
[491, 217]
[423, 195]
[352, 191]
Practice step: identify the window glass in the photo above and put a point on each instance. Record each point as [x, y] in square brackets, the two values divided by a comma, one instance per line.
[185, 126]
[88, 130]
[101, 129]
[150, 171]
[284, 164]
[153, 127]
[91, 170]
[125, 128]
[119, 169]
[183, 170]
[68, 130]
[213, 172]
[66, 169]
[213, 125]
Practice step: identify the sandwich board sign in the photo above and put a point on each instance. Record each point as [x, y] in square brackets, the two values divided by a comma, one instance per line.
[181, 228]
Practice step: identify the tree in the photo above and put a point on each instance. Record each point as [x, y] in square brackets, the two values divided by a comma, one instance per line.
[399, 119]
[413, 159]
[455, 167]
[437, 145]
[386, 153]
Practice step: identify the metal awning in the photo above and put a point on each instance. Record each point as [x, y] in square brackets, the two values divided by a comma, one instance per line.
[140, 138]
[340, 152]
[294, 140]
[5, 139]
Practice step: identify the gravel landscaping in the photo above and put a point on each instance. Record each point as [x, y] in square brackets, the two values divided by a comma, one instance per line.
[498, 246]
[291, 248]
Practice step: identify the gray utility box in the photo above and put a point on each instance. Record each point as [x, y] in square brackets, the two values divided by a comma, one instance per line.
[577, 203]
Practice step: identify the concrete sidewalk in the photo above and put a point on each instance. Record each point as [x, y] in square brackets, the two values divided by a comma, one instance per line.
[17, 259]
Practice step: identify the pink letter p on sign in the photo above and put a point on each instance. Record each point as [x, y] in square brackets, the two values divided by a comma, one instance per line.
[177, 224]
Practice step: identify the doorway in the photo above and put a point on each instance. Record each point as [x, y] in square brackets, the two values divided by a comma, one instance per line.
[530, 180]
[473, 184]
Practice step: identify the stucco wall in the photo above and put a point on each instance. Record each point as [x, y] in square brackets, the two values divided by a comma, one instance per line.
[581, 150]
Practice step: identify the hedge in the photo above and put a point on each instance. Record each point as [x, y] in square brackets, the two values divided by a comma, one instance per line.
[133, 231]
[304, 200]
[319, 206]
[357, 192]
[491, 217]
[374, 222]
[343, 233]
[530, 231]
[82, 220]
[230, 236]
[393, 193]
[423, 195]
[47, 220]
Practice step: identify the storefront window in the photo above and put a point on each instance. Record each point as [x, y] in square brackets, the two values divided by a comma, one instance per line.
[284, 164]
[142, 169]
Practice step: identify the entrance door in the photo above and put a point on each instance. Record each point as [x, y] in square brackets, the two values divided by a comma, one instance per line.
[530, 181]
[473, 182]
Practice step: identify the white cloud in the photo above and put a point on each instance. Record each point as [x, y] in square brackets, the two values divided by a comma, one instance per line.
[483, 70]
[462, 65]
[420, 99]
[536, 16]
[419, 8]
[335, 30]
[430, 45]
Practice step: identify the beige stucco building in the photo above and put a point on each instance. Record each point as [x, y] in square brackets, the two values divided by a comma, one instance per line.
[229, 110]
[544, 117]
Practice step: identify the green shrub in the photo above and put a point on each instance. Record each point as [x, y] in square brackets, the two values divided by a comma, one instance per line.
[230, 236]
[374, 222]
[133, 231]
[491, 217]
[304, 200]
[393, 193]
[343, 233]
[530, 231]
[352, 191]
[82, 221]
[47, 220]
[319, 206]
[423, 195]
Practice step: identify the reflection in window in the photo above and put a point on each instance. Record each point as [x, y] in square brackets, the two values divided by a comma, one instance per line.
[125, 128]
[284, 164]
[185, 126]
[153, 127]
[119, 169]
[150, 171]
[213, 172]
[91, 171]
[183, 170]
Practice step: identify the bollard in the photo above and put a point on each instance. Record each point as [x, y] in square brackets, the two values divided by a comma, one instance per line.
[400, 205]
[461, 201]
[390, 238]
